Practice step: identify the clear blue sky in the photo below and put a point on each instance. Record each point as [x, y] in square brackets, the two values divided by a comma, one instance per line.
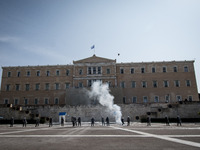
[42, 32]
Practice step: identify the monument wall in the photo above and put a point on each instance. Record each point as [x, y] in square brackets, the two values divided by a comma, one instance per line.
[136, 112]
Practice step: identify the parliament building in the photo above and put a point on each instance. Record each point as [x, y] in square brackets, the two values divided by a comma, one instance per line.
[140, 82]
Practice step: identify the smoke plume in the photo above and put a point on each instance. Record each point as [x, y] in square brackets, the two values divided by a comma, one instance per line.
[101, 92]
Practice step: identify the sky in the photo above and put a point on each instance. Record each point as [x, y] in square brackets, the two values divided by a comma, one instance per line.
[51, 32]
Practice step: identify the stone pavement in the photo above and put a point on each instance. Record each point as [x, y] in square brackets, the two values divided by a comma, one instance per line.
[137, 136]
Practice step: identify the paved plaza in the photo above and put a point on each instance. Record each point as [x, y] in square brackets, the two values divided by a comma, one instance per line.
[137, 136]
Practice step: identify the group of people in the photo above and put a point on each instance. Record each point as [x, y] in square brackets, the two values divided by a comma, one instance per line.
[77, 122]
[179, 122]
[105, 123]
[24, 122]
[74, 121]
[128, 121]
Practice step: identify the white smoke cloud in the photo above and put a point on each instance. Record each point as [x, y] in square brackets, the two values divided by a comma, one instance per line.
[101, 92]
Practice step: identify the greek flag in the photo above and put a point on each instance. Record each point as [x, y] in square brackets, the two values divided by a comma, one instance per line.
[92, 47]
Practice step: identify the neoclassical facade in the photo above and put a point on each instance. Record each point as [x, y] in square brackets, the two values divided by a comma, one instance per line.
[144, 82]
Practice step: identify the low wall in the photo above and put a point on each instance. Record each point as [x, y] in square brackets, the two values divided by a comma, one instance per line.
[137, 112]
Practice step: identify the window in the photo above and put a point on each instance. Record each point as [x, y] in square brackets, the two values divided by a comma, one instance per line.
[145, 99]
[38, 73]
[185, 69]
[133, 84]
[16, 101]
[122, 84]
[188, 83]
[190, 98]
[67, 85]
[175, 69]
[18, 74]
[132, 71]
[80, 71]
[26, 101]
[36, 101]
[89, 70]
[153, 69]
[46, 101]
[94, 70]
[27, 87]
[99, 70]
[37, 86]
[177, 83]
[9, 74]
[89, 83]
[47, 86]
[67, 72]
[122, 71]
[142, 70]
[80, 84]
[164, 69]
[166, 83]
[57, 86]
[48, 73]
[108, 71]
[57, 72]
[155, 84]
[167, 98]
[17, 87]
[28, 73]
[178, 98]
[8, 87]
[134, 99]
[6, 101]
[156, 99]
[56, 101]
[124, 100]
[144, 84]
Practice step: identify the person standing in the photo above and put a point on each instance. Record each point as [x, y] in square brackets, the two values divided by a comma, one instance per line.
[24, 122]
[11, 122]
[92, 121]
[62, 121]
[79, 121]
[73, 121]
[122, 120]
[178, 120]
[128, 121]
[167, 120]
[50, 122]
[103, 122]
[148, 121]
[37, 122]
[107, 121]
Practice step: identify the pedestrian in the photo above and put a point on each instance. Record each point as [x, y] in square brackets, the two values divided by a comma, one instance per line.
[79, 121]
[103, 122]
[122, 120]
[50, 122]
[178, 120]
[92, 121]
[62, 121]
[24, 122]
[148, 121]
[37, 122]
[107, 121]
[72, 120]
[128, 121]
[167, 120]
[75, 121]
[11, 122]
